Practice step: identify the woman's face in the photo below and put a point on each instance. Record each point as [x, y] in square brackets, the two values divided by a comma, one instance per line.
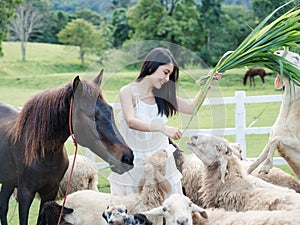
[161, 75]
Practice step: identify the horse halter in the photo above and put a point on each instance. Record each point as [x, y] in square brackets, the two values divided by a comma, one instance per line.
[73, 164]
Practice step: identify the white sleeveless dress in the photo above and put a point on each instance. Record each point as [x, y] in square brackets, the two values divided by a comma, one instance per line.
[143, 145]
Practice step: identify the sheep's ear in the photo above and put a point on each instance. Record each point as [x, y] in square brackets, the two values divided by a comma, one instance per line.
[223, 168]
[104, 216]
[236, 149]
[202, 212]
[67, 210]
[159, 211]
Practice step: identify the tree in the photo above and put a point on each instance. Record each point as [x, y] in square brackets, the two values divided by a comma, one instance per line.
[27, 21]
[82, 34]
[262, 8]
[89, 16]
[121, 29]
[210, 17]
[173, 21]
[7, 10]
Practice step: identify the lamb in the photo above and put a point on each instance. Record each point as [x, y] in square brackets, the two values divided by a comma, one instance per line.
[285, 133]
[50, 213]
[177, 204]
[84, 177]
[177, 209]
[225, 184]
[88, 205]
[117, 215]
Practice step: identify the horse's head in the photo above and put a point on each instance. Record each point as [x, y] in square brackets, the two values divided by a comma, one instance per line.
[94, 126]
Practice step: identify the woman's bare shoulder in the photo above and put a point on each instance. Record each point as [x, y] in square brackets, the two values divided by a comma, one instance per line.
[127, 89]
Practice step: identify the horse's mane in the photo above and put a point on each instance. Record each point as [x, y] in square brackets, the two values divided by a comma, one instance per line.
[37, 123]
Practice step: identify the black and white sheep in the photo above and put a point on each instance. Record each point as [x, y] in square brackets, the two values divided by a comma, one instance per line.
[117, 215]
[89, 205]
[226, 184]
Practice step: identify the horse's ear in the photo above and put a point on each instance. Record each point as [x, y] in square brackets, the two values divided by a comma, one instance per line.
[98, 79]
[76, 83]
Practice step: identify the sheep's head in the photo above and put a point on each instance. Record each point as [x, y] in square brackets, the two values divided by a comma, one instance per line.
[50, 212]
[293, 58]
[115, 214]
[177, 209]
[214, 151]
[158, 160]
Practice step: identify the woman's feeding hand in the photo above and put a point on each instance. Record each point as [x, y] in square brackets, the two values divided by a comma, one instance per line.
[173, 132]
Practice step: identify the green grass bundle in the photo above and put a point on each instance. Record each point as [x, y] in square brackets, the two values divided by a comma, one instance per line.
[258, 49]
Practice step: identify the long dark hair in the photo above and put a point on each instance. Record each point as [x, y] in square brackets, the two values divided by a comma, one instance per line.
[165, 97]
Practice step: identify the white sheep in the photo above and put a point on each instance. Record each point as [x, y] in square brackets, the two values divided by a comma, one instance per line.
[222, 217]
[177, 209]
[226, 184]
[89, 205]
[84, 177]
[285, 133]
[117, 215]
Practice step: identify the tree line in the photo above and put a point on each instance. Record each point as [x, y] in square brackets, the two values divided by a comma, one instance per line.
[207, 27]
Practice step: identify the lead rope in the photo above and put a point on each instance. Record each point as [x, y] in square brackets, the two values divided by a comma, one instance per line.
[73, 164]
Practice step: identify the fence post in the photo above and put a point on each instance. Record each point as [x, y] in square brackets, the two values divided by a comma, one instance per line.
[240, 121]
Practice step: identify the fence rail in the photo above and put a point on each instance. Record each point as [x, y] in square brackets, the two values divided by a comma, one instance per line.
[239, 131]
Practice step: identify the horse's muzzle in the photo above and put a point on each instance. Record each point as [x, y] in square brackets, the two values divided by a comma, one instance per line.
[127, 158]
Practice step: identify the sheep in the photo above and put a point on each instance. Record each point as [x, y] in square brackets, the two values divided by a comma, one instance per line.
[285, 132]
[192, 168]
[177, 209]
[276, 217]
[88, 205]
[50, 213]
[84, 177]
[176, 205]
[117, 215]
[225, 184]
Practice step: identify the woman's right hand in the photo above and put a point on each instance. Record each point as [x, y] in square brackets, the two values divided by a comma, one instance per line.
[172, 132]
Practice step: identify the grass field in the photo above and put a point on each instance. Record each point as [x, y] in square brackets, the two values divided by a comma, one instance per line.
[49, 66]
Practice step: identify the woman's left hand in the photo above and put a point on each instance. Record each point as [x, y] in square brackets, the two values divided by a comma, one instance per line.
[217, 76]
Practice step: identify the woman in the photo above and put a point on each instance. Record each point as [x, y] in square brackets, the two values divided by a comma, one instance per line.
[146, 105]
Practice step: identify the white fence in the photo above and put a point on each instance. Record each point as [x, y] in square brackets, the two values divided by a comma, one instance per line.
[240, 130]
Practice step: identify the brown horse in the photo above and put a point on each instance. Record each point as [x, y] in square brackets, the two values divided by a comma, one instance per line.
[256, 71]
[32, 140]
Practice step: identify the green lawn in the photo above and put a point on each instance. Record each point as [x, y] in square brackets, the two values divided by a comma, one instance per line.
[49, 66]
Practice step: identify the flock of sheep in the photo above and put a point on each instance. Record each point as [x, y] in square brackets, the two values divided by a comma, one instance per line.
[218, 189]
